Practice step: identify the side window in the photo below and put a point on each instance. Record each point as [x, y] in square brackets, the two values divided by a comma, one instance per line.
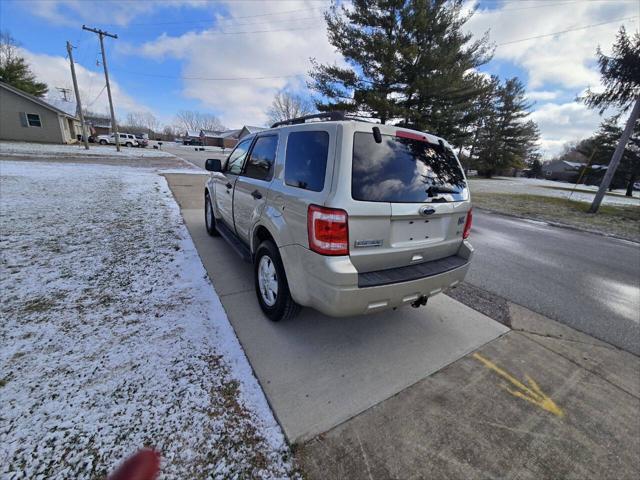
[34, 120]
[262, 158]
[236, 159]
[306, 160]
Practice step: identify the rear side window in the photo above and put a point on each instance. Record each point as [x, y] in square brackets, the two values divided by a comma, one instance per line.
[404, 170]
[306, 160]
[262, 158]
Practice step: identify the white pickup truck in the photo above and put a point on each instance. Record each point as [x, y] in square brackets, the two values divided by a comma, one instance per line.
[126, 139]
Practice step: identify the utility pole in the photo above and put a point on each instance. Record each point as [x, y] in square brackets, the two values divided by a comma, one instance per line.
[79, 111]
[101, 35]
[617, 156]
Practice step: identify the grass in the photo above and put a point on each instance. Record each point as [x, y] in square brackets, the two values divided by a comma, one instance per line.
[582, 190]
[621, 221]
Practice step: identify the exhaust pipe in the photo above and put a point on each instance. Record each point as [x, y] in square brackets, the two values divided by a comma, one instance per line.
[420, 301]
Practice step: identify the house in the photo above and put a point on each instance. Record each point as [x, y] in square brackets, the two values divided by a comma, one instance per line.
[225, 139]
[248, 130]
[191, 137]
[97, 124]
[26, 118]
[572, 172]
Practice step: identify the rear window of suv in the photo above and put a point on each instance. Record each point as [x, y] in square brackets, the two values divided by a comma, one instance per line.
[404, 170]
[306, 160]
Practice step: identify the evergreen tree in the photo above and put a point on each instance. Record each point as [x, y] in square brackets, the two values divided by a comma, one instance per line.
[507, 139]
[408, 62]
[14, 69]
[620, 74]
[600, 147]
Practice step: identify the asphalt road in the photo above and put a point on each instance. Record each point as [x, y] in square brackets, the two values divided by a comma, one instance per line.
[589, 282]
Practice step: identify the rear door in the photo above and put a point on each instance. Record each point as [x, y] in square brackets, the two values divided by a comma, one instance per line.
[225, 181]
[424, 191]
[252, 186]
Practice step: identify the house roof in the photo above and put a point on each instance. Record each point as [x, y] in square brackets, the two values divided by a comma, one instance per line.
[252, 129]
[215, 134]
[191, 133]
[36, 100]
[210, 133]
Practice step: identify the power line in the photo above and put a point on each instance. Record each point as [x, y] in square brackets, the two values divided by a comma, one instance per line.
[564, 31]
[189, 22]
[216, 79]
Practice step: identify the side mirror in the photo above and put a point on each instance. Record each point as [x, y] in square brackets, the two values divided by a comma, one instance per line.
[213, 165]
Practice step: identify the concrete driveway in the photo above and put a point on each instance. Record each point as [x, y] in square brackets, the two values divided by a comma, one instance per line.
[316, 371]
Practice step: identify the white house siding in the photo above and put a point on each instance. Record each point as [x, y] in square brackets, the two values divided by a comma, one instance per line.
[11, 124]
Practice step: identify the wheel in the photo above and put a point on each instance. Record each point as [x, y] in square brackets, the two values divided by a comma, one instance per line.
[271, 284]
[209, 217]
[128, 144]
[103, 142]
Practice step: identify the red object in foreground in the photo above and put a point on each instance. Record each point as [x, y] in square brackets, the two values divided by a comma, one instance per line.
[467, 225]
[328, 230]
[411, 136]
[144, 465]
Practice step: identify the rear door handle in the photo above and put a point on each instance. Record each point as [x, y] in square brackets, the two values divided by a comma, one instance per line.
[228, 185]
[256, 194]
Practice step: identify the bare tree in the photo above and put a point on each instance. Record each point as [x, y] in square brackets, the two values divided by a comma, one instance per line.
[193, 120]
[288, 105]
[143, 121]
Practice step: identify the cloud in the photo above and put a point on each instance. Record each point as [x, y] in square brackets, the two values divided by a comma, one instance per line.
[55, 72]
[560, 123]
[542, 95]
[277, 50]
[566, 60]
[121, 13]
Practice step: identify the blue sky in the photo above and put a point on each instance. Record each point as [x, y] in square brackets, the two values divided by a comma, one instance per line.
[169, 50]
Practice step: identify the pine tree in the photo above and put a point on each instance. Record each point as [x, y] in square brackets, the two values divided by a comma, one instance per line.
[14, 69]
[408, 62]
[507, 139]
[620, 74]
[601, 146]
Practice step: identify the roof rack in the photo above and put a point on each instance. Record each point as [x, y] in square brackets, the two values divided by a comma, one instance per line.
[331, 116]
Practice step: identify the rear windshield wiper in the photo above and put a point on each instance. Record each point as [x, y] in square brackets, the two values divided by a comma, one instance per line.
[434, 189]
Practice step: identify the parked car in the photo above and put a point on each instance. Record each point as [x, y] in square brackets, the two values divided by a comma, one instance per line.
[344, 216]
[143, 140]
[126, 139]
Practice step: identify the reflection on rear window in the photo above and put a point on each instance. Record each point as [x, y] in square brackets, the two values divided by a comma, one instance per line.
[404, 170]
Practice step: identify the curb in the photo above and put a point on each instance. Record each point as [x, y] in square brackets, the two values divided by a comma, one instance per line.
[558, 225]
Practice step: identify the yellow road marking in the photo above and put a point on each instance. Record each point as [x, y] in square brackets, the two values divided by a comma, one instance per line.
[532, 393]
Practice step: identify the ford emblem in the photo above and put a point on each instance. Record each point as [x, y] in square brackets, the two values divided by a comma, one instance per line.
[425, 210]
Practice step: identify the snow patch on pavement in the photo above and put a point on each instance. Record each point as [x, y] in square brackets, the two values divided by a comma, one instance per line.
[113, 338]
[76, 150]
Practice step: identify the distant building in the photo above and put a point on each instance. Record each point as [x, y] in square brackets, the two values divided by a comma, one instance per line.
[191, 137]
[565, 171]
[225, 139]
[97, 124]
[24, 117]
[248, 130]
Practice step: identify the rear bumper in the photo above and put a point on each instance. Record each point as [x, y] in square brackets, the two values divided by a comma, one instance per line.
[331, 284]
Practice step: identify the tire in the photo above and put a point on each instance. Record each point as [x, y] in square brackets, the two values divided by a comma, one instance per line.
[128, 144]
[103, 142]
[279, 305]
[209, 217]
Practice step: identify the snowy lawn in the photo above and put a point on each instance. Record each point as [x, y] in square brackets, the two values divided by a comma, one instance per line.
[112, 337]
[75, 150]
[547, 188]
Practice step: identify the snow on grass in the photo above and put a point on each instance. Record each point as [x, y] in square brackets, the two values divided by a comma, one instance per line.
[75, 150]
[112, 337]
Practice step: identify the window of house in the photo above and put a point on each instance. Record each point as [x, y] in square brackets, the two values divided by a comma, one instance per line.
[262, 158]
[306, 160]
[33, 119]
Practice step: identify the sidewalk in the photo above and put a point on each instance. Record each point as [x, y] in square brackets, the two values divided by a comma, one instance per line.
[541, 401]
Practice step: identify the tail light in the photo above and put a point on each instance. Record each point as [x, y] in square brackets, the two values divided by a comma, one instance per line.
[467, 225]
[328, 230]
